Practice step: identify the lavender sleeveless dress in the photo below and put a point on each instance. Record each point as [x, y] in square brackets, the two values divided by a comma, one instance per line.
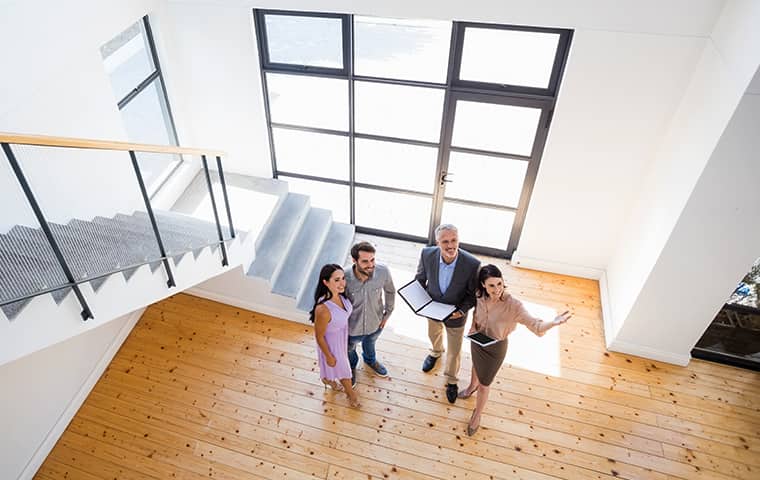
[336, 337]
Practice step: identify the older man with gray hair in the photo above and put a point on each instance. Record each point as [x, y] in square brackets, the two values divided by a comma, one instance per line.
[450, 275]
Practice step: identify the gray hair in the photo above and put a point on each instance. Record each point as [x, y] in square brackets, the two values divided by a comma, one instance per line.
[444, 226]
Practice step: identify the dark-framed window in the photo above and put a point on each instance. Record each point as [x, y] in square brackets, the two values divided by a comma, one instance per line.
[132, 65]
[372, 116]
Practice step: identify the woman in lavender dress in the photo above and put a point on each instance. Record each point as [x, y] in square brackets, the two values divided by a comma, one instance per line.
[330, 316]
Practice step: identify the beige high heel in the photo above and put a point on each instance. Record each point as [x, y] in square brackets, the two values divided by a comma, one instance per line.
[470, 429]
[332, 384]
[465, 394]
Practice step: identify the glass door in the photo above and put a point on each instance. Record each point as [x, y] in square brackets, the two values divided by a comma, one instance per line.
[489, 167]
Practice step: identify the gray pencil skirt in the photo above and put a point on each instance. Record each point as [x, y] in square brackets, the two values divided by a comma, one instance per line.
[487, 360]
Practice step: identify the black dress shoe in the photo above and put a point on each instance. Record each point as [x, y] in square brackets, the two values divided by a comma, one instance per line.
[429, 363]
[451, 392]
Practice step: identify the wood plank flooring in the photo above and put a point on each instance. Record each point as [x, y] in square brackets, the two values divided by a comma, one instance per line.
[206, 390]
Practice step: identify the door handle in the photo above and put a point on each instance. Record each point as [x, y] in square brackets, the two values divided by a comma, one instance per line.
[445, 177]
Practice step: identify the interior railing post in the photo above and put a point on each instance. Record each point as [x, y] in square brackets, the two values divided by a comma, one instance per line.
[225, 262]
[86, 312]
[170, 282]
[224, 193]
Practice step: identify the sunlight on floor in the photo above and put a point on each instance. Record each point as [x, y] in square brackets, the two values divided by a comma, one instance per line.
[404, 321]
[537, 354]
[526, 350]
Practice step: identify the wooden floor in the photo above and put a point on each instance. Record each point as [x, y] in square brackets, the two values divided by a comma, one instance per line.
[205, 390]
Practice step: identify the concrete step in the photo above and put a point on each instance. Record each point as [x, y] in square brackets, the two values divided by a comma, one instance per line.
[334, 249]
[302, 253]
[278, 236]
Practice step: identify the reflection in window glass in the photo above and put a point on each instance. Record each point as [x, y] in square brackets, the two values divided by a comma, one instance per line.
[495, 128]
[508, 57]
[409, 167]
[402, 49]
[381, 210]
[315, 154]
[127, 59]
[489, 227]
[308, 101]
[481, 178]
[323, 195]
[399, 111]
[314, 41]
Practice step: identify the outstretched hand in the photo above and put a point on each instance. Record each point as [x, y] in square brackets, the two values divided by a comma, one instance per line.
[562, 318]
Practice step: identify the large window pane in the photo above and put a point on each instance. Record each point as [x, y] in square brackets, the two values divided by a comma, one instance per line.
[489, 227]
[314, 154]
[146, 119]
[308, 101]
[127, 59]
[496, 128]
[399, 111]
[323, 195]
[408, 167]
[485, 179]
[508, 57]
[394, 212]
[403, 49]
[314, 41]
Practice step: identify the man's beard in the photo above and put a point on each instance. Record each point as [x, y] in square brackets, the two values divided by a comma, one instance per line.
[365, 272]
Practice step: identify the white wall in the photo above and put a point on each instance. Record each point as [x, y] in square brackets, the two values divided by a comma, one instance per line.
[711, 247]
[41, 393]
[215, 50]
[54, 83]
[618, 93]
[642, 258]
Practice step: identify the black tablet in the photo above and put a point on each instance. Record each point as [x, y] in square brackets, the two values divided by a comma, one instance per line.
[481, 339]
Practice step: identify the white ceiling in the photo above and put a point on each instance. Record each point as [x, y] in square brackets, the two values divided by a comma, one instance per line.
[671, 17]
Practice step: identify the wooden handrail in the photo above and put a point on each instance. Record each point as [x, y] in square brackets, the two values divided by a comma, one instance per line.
[47, 141]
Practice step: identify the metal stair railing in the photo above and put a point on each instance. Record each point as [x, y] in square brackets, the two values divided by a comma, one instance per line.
[8, 139]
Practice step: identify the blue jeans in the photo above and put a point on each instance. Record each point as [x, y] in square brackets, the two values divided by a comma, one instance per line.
[368, 348]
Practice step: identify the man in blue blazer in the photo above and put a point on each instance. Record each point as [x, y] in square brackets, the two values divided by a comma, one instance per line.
[450, 275]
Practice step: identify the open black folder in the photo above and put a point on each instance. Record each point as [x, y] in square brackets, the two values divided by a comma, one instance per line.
[420, 302]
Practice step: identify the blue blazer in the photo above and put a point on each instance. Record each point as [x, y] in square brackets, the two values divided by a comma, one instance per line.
[461, 291]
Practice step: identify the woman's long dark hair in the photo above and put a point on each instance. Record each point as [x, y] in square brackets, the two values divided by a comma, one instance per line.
[322, 293]
[486, 272]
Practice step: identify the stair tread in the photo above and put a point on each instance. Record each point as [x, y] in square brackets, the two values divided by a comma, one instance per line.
[17, 279]
[279, 233]
[305, 248]
[80, 260]
[339, 239]
[174, 242]
[178, 222]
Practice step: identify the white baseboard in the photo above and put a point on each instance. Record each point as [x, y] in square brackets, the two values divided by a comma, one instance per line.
[286, 314]
[651, 353]
[76, 402]
[608, 322]
[555, 267]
